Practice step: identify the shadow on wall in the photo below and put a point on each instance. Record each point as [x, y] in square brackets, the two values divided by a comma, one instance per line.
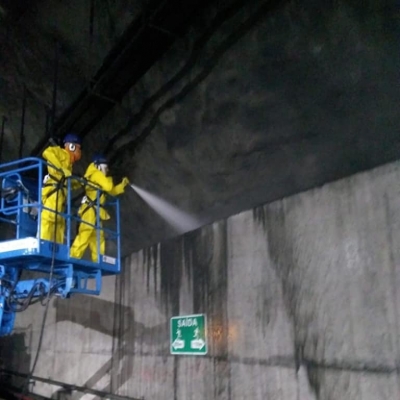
[96, 314]
[93, 314]
[14, 356]
[90, 313]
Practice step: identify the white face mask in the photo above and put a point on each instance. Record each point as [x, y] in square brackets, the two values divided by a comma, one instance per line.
[103, 168]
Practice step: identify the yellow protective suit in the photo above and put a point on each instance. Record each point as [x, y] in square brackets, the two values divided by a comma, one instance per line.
[87, 235]
[55, 199]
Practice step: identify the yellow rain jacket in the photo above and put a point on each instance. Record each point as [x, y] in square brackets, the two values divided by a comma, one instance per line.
[87, 235]
[54, 194]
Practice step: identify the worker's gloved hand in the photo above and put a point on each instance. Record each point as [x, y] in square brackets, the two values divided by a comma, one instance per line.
[125, 182]
[66, 172]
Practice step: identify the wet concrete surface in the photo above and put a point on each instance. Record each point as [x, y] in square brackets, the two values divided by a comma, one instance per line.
[301, 298]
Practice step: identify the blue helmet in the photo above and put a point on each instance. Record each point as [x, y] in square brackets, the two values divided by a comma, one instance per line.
[99, 159]
[72, 138]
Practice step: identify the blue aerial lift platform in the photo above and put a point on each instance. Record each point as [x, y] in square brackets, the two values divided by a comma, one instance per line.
[50, 269]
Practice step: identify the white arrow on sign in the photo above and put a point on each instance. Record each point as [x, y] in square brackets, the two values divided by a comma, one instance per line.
[178, 344]
[197, 344]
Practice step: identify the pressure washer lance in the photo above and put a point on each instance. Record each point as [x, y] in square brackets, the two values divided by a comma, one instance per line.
[52, 142]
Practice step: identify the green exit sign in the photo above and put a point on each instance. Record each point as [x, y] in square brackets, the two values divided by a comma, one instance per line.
[189, 334]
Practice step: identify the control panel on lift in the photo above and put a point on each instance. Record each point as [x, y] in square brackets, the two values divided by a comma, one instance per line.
[32, 269]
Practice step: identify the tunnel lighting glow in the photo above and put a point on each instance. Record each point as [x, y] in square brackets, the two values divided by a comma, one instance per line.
[179, 220]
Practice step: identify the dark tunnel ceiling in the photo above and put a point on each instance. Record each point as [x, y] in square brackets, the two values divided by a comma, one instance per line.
[217, 106]
[165, 21]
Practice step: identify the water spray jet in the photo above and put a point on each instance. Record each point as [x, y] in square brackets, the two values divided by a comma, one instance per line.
[178, 219]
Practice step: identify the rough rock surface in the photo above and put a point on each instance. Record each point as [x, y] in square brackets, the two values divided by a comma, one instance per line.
[257, 102]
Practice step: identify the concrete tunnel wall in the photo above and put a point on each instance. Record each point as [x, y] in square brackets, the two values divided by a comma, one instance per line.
[302, 297]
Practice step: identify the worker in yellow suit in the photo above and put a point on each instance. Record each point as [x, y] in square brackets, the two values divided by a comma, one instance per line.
[97, 175]
[54, 190]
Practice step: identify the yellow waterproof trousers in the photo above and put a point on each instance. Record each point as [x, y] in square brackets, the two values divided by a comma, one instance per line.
[55, 202]
[87, 235]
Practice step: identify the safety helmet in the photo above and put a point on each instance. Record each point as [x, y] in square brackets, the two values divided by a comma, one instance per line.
[72, 143]
[101, 163]
[99, 159]
[72, 138]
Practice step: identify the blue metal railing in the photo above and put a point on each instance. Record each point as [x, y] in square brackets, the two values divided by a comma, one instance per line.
[13, 210]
